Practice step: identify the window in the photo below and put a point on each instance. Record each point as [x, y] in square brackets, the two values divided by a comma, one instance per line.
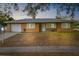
[51, 25]
[31, 25]
[65, 25]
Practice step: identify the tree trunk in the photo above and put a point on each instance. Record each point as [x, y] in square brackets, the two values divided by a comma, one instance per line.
[72, 17]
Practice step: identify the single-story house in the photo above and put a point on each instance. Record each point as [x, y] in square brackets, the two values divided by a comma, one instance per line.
[39, 25]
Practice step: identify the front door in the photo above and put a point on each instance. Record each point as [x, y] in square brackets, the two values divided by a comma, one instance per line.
[43, 27]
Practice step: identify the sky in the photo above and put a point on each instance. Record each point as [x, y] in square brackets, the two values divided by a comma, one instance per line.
[47, 14]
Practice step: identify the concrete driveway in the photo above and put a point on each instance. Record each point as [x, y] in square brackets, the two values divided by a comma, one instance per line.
[6, 35]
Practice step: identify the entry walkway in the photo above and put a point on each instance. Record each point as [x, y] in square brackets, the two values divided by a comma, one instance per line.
[6, 35]
[40, 49]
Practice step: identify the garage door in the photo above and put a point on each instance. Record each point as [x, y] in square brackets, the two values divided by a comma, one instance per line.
[16, 27]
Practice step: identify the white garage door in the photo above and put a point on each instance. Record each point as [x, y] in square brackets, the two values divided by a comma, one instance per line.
[16, 27]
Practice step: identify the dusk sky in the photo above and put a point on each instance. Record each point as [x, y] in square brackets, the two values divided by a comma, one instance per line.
[47, 14]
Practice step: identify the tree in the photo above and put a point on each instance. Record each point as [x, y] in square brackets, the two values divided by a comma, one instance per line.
[32, 8]
[3, 18]
[69, 8]
[6, 12]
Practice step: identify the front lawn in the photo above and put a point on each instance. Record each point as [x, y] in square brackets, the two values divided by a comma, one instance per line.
[42, 39]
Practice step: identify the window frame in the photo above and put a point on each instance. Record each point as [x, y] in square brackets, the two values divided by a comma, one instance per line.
[49, 25]
[30, 25]
[54, 25]
[65, 25]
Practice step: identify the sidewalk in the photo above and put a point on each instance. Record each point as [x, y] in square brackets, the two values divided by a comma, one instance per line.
[40, 49]
[6, 35]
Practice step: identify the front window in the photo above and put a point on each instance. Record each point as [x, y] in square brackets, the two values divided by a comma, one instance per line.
[51, 25]
[31, 25]
[65, 25]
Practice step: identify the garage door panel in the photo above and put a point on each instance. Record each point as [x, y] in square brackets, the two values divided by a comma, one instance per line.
[16, 27]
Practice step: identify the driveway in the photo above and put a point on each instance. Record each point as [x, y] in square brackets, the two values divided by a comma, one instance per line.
[6, 35]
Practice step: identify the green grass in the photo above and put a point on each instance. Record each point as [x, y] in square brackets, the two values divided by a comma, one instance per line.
[64, 33]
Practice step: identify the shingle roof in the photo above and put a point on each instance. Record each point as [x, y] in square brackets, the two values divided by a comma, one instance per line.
[38, 20]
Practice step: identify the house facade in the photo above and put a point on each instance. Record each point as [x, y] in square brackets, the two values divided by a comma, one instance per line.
[39, 25]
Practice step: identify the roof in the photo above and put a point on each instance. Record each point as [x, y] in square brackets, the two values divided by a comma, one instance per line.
[38, 20]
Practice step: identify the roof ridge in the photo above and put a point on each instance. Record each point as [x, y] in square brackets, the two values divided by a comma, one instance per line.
[36, 18]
